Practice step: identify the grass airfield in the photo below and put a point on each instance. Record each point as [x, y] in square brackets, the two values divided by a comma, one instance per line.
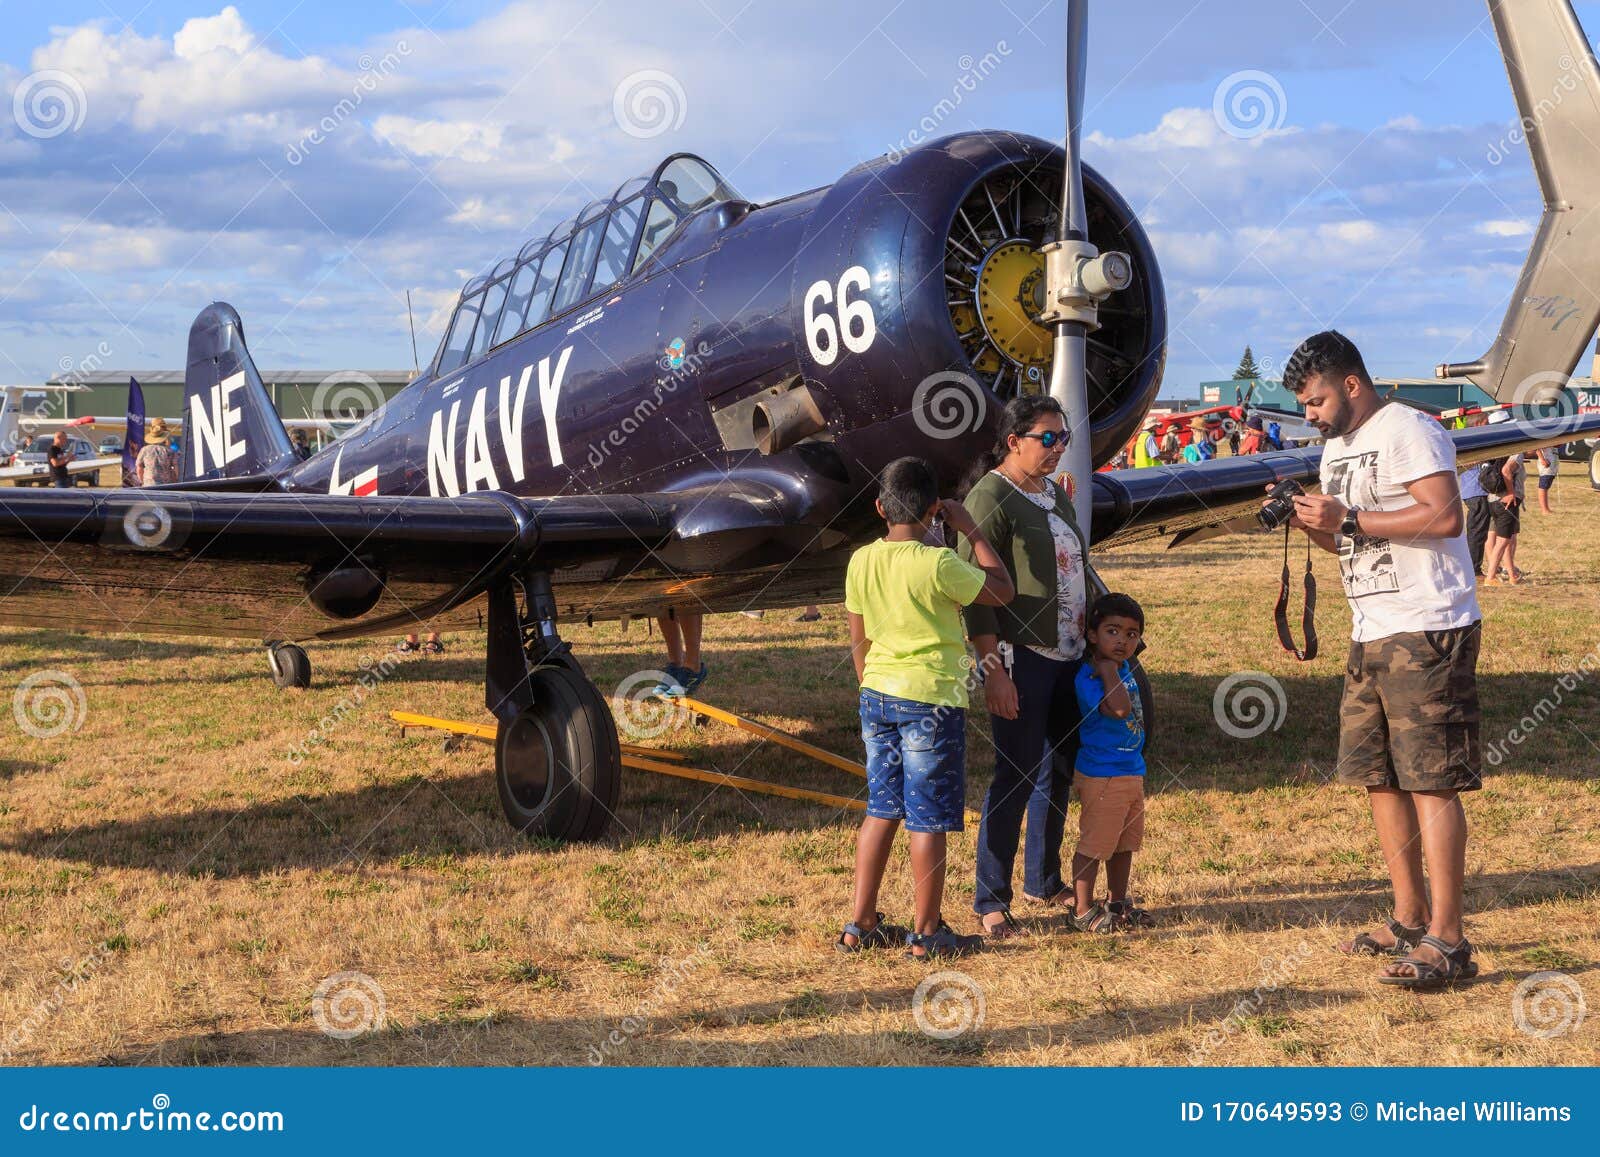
[181, 884]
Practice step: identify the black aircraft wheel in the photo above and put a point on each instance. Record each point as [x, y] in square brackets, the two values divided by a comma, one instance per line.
[557, 765]
[291, 667]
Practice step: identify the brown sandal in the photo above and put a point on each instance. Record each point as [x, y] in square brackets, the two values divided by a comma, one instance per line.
[1455, 964]
[1405, 939]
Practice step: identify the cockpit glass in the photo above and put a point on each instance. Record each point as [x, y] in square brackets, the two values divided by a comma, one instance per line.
[617, 248]
[454, 351]
[580, 263]
[493, 299]
[690, 185]
[516, 302]
[658, 225]
[539, 307]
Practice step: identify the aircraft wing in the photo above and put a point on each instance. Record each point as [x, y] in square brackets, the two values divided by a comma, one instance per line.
[42, 471]
[272, 566]
[1189, 503]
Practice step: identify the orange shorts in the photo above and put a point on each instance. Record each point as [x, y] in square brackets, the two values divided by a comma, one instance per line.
[1110, 814]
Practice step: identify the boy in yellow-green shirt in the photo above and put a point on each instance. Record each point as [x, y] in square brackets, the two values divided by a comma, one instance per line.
[904, 598]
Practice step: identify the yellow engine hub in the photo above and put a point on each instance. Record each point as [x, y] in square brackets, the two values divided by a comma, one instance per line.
[1010, 292]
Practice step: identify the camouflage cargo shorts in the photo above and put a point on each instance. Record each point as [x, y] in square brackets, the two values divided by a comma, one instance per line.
[1409, 717]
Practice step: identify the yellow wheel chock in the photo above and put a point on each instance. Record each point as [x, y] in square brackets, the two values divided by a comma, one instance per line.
[675, 764]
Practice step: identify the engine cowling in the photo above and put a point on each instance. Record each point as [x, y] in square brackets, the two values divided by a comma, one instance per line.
[995, 283]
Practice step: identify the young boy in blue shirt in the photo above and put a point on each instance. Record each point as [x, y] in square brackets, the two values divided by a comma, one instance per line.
[1109, 779]
[904, 597]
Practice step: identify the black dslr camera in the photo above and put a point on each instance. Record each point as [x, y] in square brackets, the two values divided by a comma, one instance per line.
[1279, 507]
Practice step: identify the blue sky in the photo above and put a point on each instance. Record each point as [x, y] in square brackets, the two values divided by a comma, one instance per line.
[184, 168]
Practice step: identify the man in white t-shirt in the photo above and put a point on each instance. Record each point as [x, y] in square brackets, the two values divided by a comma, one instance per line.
[1390, 508]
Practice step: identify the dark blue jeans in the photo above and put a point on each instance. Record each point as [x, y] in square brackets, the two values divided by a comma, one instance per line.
[1033, 761]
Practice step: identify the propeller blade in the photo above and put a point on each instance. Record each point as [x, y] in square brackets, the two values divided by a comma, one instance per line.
[1068, 373]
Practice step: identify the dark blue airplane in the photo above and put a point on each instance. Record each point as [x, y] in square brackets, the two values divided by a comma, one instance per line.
[676, 399]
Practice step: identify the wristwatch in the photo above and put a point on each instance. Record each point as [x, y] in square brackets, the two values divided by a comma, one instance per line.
[1350, 527]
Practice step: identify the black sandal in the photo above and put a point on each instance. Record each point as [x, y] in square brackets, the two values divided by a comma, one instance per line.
[1432, 975]
[1129, 916]
[941, 944]
[1096, 919]
[1405, 939]
[880, 935]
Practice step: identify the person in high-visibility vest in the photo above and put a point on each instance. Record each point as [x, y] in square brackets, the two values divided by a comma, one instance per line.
[1145, 450]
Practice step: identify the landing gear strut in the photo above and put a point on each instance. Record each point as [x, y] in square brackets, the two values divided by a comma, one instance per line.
[558, 766]
[291, 667]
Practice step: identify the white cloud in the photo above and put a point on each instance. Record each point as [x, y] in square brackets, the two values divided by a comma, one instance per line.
[202, 34]
[466, 141]
[1506, 228]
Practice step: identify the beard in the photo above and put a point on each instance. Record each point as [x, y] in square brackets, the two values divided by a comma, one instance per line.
[1336, 424]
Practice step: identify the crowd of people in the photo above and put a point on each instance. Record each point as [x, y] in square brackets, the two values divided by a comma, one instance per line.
[1495, 495]
[1166, 441]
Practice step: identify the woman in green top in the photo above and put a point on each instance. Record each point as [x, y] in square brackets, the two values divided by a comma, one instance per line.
[1028, 654]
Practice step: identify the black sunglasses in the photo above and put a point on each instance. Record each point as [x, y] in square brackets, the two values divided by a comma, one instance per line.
[1049, 438]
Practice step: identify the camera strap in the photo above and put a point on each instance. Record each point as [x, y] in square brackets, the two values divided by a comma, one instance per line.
[1308, 615]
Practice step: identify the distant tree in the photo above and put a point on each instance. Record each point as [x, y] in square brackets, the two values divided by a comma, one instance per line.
[1247, 367]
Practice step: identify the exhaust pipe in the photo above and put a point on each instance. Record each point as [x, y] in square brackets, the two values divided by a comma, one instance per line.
[780, 421]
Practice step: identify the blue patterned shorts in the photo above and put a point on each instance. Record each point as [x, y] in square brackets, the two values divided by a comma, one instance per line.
[916, 762]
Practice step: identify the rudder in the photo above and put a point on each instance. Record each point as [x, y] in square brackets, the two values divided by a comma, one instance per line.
[231, 428]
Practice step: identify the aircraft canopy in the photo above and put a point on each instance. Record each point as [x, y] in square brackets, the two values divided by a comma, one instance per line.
[583, 256]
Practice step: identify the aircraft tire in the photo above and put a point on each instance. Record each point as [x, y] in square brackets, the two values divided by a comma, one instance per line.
[1594, 469]
[608, 778]
[557, 764]
[291, 666]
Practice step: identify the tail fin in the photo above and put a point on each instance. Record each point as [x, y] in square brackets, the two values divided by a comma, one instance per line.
[230, 426]
[1554, 308]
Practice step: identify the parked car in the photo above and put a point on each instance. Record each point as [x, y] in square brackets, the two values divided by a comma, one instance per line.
[110, 444]
[37, 454]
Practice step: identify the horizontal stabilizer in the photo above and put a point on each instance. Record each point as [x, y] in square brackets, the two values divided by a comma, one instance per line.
[1555, 307]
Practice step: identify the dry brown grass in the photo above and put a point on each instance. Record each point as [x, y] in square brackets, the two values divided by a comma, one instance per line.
[219, 883]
